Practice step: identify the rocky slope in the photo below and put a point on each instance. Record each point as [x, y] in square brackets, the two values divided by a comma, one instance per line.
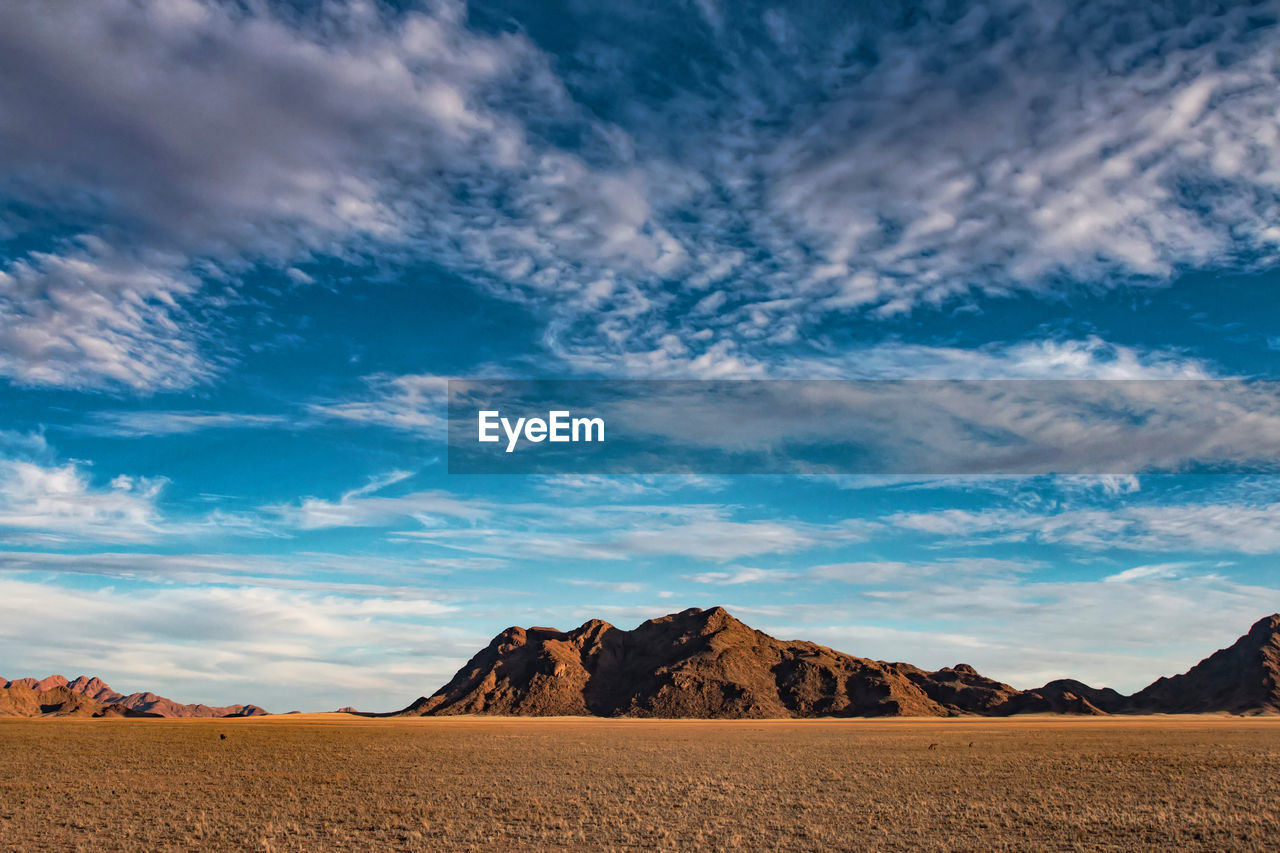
[706, 663]
[92, 697]
[1241, 679]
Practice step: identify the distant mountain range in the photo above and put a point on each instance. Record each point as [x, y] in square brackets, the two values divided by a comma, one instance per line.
[706, 663]
[92, 697]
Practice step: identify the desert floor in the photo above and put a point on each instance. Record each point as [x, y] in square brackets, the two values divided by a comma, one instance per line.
[330, 781]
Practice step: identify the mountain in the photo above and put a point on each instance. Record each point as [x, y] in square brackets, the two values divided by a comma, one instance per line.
[92, 697]
[1241, 679]
[706, 663]
[696, 663]
[19, 699]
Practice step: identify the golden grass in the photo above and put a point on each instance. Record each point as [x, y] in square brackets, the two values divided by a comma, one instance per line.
[324, 782]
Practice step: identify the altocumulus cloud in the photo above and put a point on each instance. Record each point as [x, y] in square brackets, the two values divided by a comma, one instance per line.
[860, 162]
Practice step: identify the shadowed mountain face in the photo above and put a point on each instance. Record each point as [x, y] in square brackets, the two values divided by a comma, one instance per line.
[697, 663]
[706, 663]
[1241, 679]
[91, 697]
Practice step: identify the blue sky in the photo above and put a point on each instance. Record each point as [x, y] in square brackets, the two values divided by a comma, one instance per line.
[243, 246]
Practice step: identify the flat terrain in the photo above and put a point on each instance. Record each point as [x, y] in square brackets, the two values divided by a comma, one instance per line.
[337, 782]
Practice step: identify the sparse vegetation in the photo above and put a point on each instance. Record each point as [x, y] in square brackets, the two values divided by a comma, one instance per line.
[335, 782]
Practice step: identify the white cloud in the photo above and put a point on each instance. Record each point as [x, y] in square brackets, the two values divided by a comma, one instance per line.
[714, 539]
[362, 507]
[283, 649]
[285, 146]
[92, 316]
[158, 422]
[888, 572]
[620, 587]
[1051, 358]
[1155, 570]
[309, 571]
[350, 128]
[613, 487]
[1121, 635]
[941, 427]
[48, 502]
[1244, 528]
[1017, 149]
[416, 403]
[60, 501]
[1005, 161]
[1024, 148]
[740, 576]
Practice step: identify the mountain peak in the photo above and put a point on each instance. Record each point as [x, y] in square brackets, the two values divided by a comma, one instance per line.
[1266, 629]
[712, 617]
[693, 663]
[1243, 678]
[706, 663]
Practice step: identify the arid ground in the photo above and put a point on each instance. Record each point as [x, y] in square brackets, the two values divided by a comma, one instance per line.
[330, 781]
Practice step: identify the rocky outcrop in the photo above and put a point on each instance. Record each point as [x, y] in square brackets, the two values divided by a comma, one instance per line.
[1241, 679]
[706, 663]
[92, 697]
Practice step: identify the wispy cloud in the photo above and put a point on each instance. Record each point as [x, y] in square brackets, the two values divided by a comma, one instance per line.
[283, 649]
[61, 502]
[620, 587]
[363, 507]
[414, 402]
[897, 164]
[1026, 631]
[734, 577]
[160, 422]
[1245, 528]
[92, 316]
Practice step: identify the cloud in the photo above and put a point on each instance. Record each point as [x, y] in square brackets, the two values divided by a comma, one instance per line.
[1090, 357]
[938, 427]
[308, 571]
[741, 576]
[614, 487]
[622, 588]
[629, 531]
[1027, 632]
[363, 507]
[889, 572]
[60, 501]
[1245, 528]
[287, 145]
[160, 422]
[338, 132]
[932, 157]
[1137, 573]
[901, 162]
[283, 649]
[874, 572]
[48, 502]
[416, 403]
[632, 532]
[91, 317]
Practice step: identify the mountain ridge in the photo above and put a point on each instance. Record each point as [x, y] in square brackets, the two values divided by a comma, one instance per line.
[708, 664]
[87, 696]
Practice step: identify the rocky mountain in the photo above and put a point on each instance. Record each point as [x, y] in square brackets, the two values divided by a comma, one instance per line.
[92, 697]
[1241, 679]
[706, 663]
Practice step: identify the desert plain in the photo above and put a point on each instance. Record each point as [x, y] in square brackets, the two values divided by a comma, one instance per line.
[343, 782]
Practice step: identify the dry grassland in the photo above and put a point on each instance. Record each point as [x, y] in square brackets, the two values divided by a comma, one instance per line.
[325, 782]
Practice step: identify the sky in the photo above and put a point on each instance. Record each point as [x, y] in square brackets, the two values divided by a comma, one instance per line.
[243, 247]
